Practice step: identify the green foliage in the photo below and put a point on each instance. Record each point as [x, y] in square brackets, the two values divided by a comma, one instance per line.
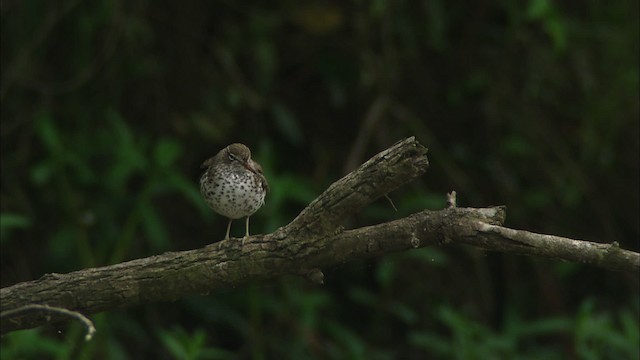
[606, 335]
[182, 345]
[552, 22]
[9, 221]
[109, 108]
[532, 339]
[31, 344]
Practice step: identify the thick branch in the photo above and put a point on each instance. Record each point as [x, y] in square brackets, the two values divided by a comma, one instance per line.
[173, 275]
[312, 241]
[381, 174]
[170, 276]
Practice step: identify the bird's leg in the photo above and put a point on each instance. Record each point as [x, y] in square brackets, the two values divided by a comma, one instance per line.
[246, 231]
[226, 237]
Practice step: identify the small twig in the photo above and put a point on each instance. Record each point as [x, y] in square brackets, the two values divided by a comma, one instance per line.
[451, 199]
[91, 329]
[391, 202]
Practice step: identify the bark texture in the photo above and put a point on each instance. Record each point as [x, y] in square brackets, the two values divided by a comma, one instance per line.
[314, 240]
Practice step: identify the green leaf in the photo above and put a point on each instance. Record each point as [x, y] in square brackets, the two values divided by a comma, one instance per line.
[557, 30]
[385, 271]
[353, 344]
[166, 152]
[11, 220]
[172, 343]
[363, 296]
[436, 344]
[547, 326]
[154, 227]
[128, 153]
[404, 312]
[189, 190]
[30, 344]
[41, 172]
[538, 9]
[48, 133]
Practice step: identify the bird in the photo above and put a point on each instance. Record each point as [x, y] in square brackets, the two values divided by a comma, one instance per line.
[233, 185]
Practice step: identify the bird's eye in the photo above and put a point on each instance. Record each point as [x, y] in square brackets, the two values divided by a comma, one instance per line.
[231, 155]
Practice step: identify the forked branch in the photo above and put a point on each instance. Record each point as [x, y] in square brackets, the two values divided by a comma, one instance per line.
[312, 241]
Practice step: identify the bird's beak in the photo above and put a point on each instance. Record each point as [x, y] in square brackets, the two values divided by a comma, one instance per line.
[249, 166]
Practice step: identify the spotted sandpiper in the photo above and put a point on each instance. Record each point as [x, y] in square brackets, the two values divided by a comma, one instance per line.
[233, 185]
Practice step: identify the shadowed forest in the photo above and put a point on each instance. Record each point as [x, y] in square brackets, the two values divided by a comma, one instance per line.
[110, 107]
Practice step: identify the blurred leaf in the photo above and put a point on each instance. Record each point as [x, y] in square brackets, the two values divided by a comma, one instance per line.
[154, 227]
[436, 344]
[189, 190]
[290, 187]
[217, 310]
[305, 305]
[30, 344]
[385, 271]
[183, 345]
[546, 326]
[557, 30]
[554, 25]
[363, 296]
[407, 314]
[48, 133]
[458, 323]
[82, 172]
[115, 349]
[129, 157]
[631, 332]
[596, 333]
[173, 344]
[517, 146]
[537, 198]
[9, 221]
[41, 173]
[61, 248]
[167, 152]
[353, 345]
[538, 9]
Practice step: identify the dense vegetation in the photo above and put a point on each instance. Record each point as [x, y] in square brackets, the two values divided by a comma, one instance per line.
[109, 107]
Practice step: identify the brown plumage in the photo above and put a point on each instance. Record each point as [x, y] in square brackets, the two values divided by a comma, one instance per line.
[233, 185]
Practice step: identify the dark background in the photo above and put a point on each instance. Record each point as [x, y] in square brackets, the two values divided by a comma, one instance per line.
[110, 107]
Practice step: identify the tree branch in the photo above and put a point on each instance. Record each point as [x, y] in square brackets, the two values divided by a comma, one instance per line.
[608, 256]
[313, 240]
